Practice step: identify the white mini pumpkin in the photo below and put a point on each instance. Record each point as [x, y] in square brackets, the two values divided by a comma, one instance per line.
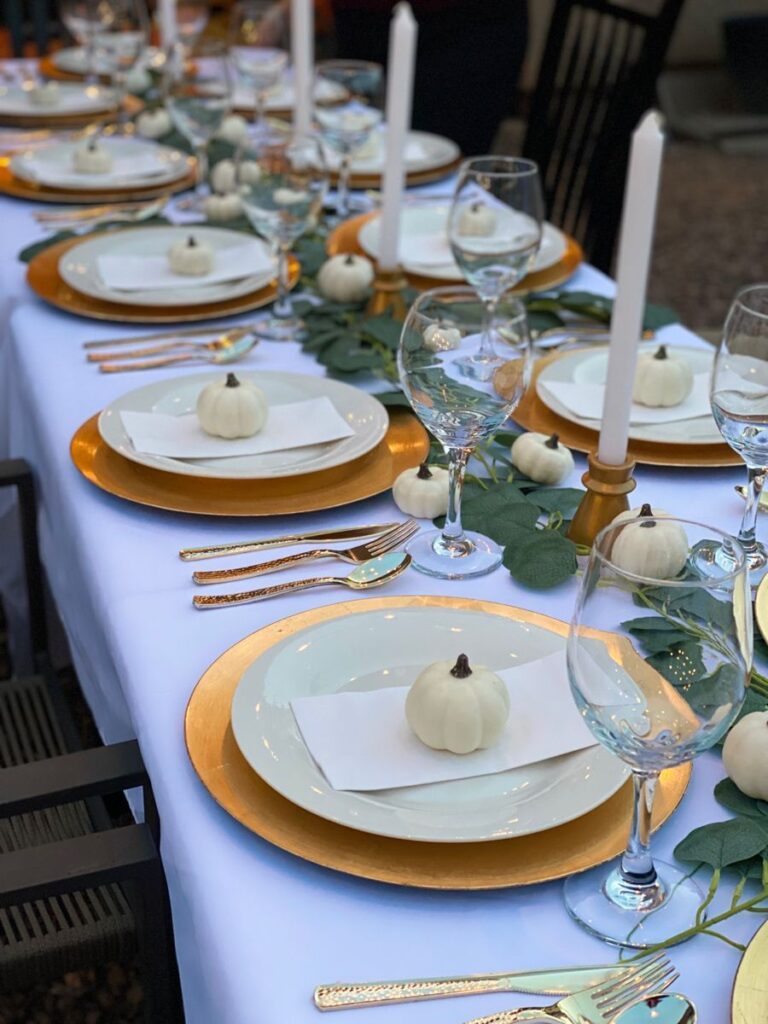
[223, 176]
[191, 258]
[46, 94]
[153, 124]
[223, 208]
[290, 196]
[138, 80]
[422, 492]
[345, 278]
[248, 172]
[542, 458]
[441, 339]
[745, 755]
[234, 129]
[478, 220]
[92, 158]
[232, 408]
[662, 379]
[457, 708]
[649, 546]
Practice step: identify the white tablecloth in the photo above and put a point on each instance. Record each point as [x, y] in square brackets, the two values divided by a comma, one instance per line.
[256, 928]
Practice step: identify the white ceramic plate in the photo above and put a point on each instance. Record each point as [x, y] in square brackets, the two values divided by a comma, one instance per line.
[54, 165]
[79, 268]
[283, 97]
[388, 647]
[423, 152]
[74, 60]
[429, 219]
[589, 366]
[364, 413]
[74, 98]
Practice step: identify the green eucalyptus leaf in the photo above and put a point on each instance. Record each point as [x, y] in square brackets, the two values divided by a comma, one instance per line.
[543, 320]
[564, 500]
[347, 355]
[724, 843]
[393, 398]
[384, 329]
[543, 560]
[729, 795]
[680, 664]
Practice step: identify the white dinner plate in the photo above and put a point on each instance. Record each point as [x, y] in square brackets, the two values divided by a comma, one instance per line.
[79, 268]
[430, 219]
[74, 60]
[423, 152]
[589, 366]
[74, 98]
[283, 96]
[363, 413]
[54, 165]
[389, 647]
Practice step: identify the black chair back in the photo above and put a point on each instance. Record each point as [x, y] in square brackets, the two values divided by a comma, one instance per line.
[597, 77]
[28, 21]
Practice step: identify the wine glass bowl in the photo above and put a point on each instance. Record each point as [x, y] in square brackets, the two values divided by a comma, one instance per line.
[258, 61]
[83, 19]
[119, 43]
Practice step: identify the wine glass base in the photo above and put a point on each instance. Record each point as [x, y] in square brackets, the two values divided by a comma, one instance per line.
[712, 559]
[277, 328]
[473, 555]
[636, 917]
[479, 367]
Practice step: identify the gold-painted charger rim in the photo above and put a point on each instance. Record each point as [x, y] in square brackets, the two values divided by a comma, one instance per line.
[504, 863]
[749, 996]
[17, 188]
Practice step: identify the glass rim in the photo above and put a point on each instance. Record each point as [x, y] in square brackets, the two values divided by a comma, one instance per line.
[525, 168]
[705, 582]
[352, 64]
[740, 299]
[462, 293]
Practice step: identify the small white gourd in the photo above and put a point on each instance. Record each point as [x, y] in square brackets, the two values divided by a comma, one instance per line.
[46, 94]
[422, 492]
[232, 408]
[477, 220]
[290, 196]
[92, 158]
[223, 176]
[542, 458]
[138, 80]
[345, 278]
[191, 258]
[745, 755]
[441, 339]
[223, 208]
[457, 708]
[648, 545]
[153, 124]
[661, 379]
[248, 172]
[234, 129]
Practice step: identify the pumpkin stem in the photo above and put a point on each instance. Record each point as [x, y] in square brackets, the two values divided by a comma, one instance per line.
[552, 442]
[645, 511]
[424, 473]
[661, 352]
[92, 144]
[350, 259]
[232, 381]
[191, 241]
[461, 669]
[477, 205]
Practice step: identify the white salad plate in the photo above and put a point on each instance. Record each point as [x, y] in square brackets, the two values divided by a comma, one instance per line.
[283, 96]
[389, 646]
[589, 366]
[79, 266]
[73, 98]
[425, 219]
[75, 60]
[135, 164]
[423, 152]
[178, 396]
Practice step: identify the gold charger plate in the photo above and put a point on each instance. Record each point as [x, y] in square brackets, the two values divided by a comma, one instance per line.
[49, 69]
[344, 238]
[533, 414]
[543, 856]
[749, 1001]
[10, 185]
[46, 119]
[45, 280]
[404, 445]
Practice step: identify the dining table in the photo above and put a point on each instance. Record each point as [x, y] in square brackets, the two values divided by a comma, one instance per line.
[257, 928]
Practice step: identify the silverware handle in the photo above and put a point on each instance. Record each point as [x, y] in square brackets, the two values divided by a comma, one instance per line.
[139, 353]
[321, 536]
[342, 996]
[159, 336]
[260, 569]
[525, 1013]
[148, 364]
[249, 596]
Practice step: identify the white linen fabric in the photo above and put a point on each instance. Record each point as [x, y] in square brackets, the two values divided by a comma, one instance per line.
[256, 928]
[586, 400]
[140, 273]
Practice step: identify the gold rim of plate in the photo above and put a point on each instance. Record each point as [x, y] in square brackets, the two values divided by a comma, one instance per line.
[48, 68]
[17, 188]
[749, 999]
[345, 238]
[132, 105]
[45, 280]
[533, 414]
[590, 840]
[404, 445]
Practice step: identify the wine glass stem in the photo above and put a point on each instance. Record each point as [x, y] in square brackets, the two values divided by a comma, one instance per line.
[453, 531]
[637, 865]
[342, 202]
[201, 154]
[755, 481]
[258, 111]
[283, 307]
[486, 351]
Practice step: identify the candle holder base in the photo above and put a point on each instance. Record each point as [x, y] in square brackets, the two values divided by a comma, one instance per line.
[607, 490]
[387, 297]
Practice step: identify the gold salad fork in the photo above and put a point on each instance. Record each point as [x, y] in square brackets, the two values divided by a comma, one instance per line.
[360, 553]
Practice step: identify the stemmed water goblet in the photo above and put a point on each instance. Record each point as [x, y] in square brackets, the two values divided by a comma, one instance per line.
[442, 328]
[658, 711]
[119, 44]
[347, 112]
[494, 229]
[282, 205]
[83, 19]
[255, 57]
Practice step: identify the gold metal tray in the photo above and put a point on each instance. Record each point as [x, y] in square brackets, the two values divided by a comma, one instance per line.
[575, 846]
[344, 238]
[749, 1001]
[405, 445]
[44, 279]
[533, 414]
[10, 185]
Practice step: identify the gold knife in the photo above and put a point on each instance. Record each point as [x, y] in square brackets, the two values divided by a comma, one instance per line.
[347, 533]
[558, 982]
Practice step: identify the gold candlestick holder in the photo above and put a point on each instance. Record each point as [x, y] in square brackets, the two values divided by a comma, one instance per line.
[387, 297]
[607, 490]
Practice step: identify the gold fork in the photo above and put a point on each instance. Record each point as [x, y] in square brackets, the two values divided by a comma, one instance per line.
[360, 553]
[224, 341]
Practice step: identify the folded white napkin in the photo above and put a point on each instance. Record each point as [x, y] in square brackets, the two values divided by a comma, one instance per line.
[586, 402]
[288, 426]
[152, 273]
[124, 168]
[361, 741]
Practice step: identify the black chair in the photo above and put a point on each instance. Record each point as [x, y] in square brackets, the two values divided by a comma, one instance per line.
[597, 77]
[74, 890]
[28, 21]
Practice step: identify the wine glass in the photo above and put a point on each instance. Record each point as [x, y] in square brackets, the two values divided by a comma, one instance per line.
[198, 97]
[347, 111]
[119, 44]
[442, 326]
[253, 33]
[653, 709]
[191, 19]
[83, 19]
[739, 399]
[281, 205]
[494, 229]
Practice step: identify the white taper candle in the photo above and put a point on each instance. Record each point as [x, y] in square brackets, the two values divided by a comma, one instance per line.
[302, 56]
[636, 239]
[166, 17]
